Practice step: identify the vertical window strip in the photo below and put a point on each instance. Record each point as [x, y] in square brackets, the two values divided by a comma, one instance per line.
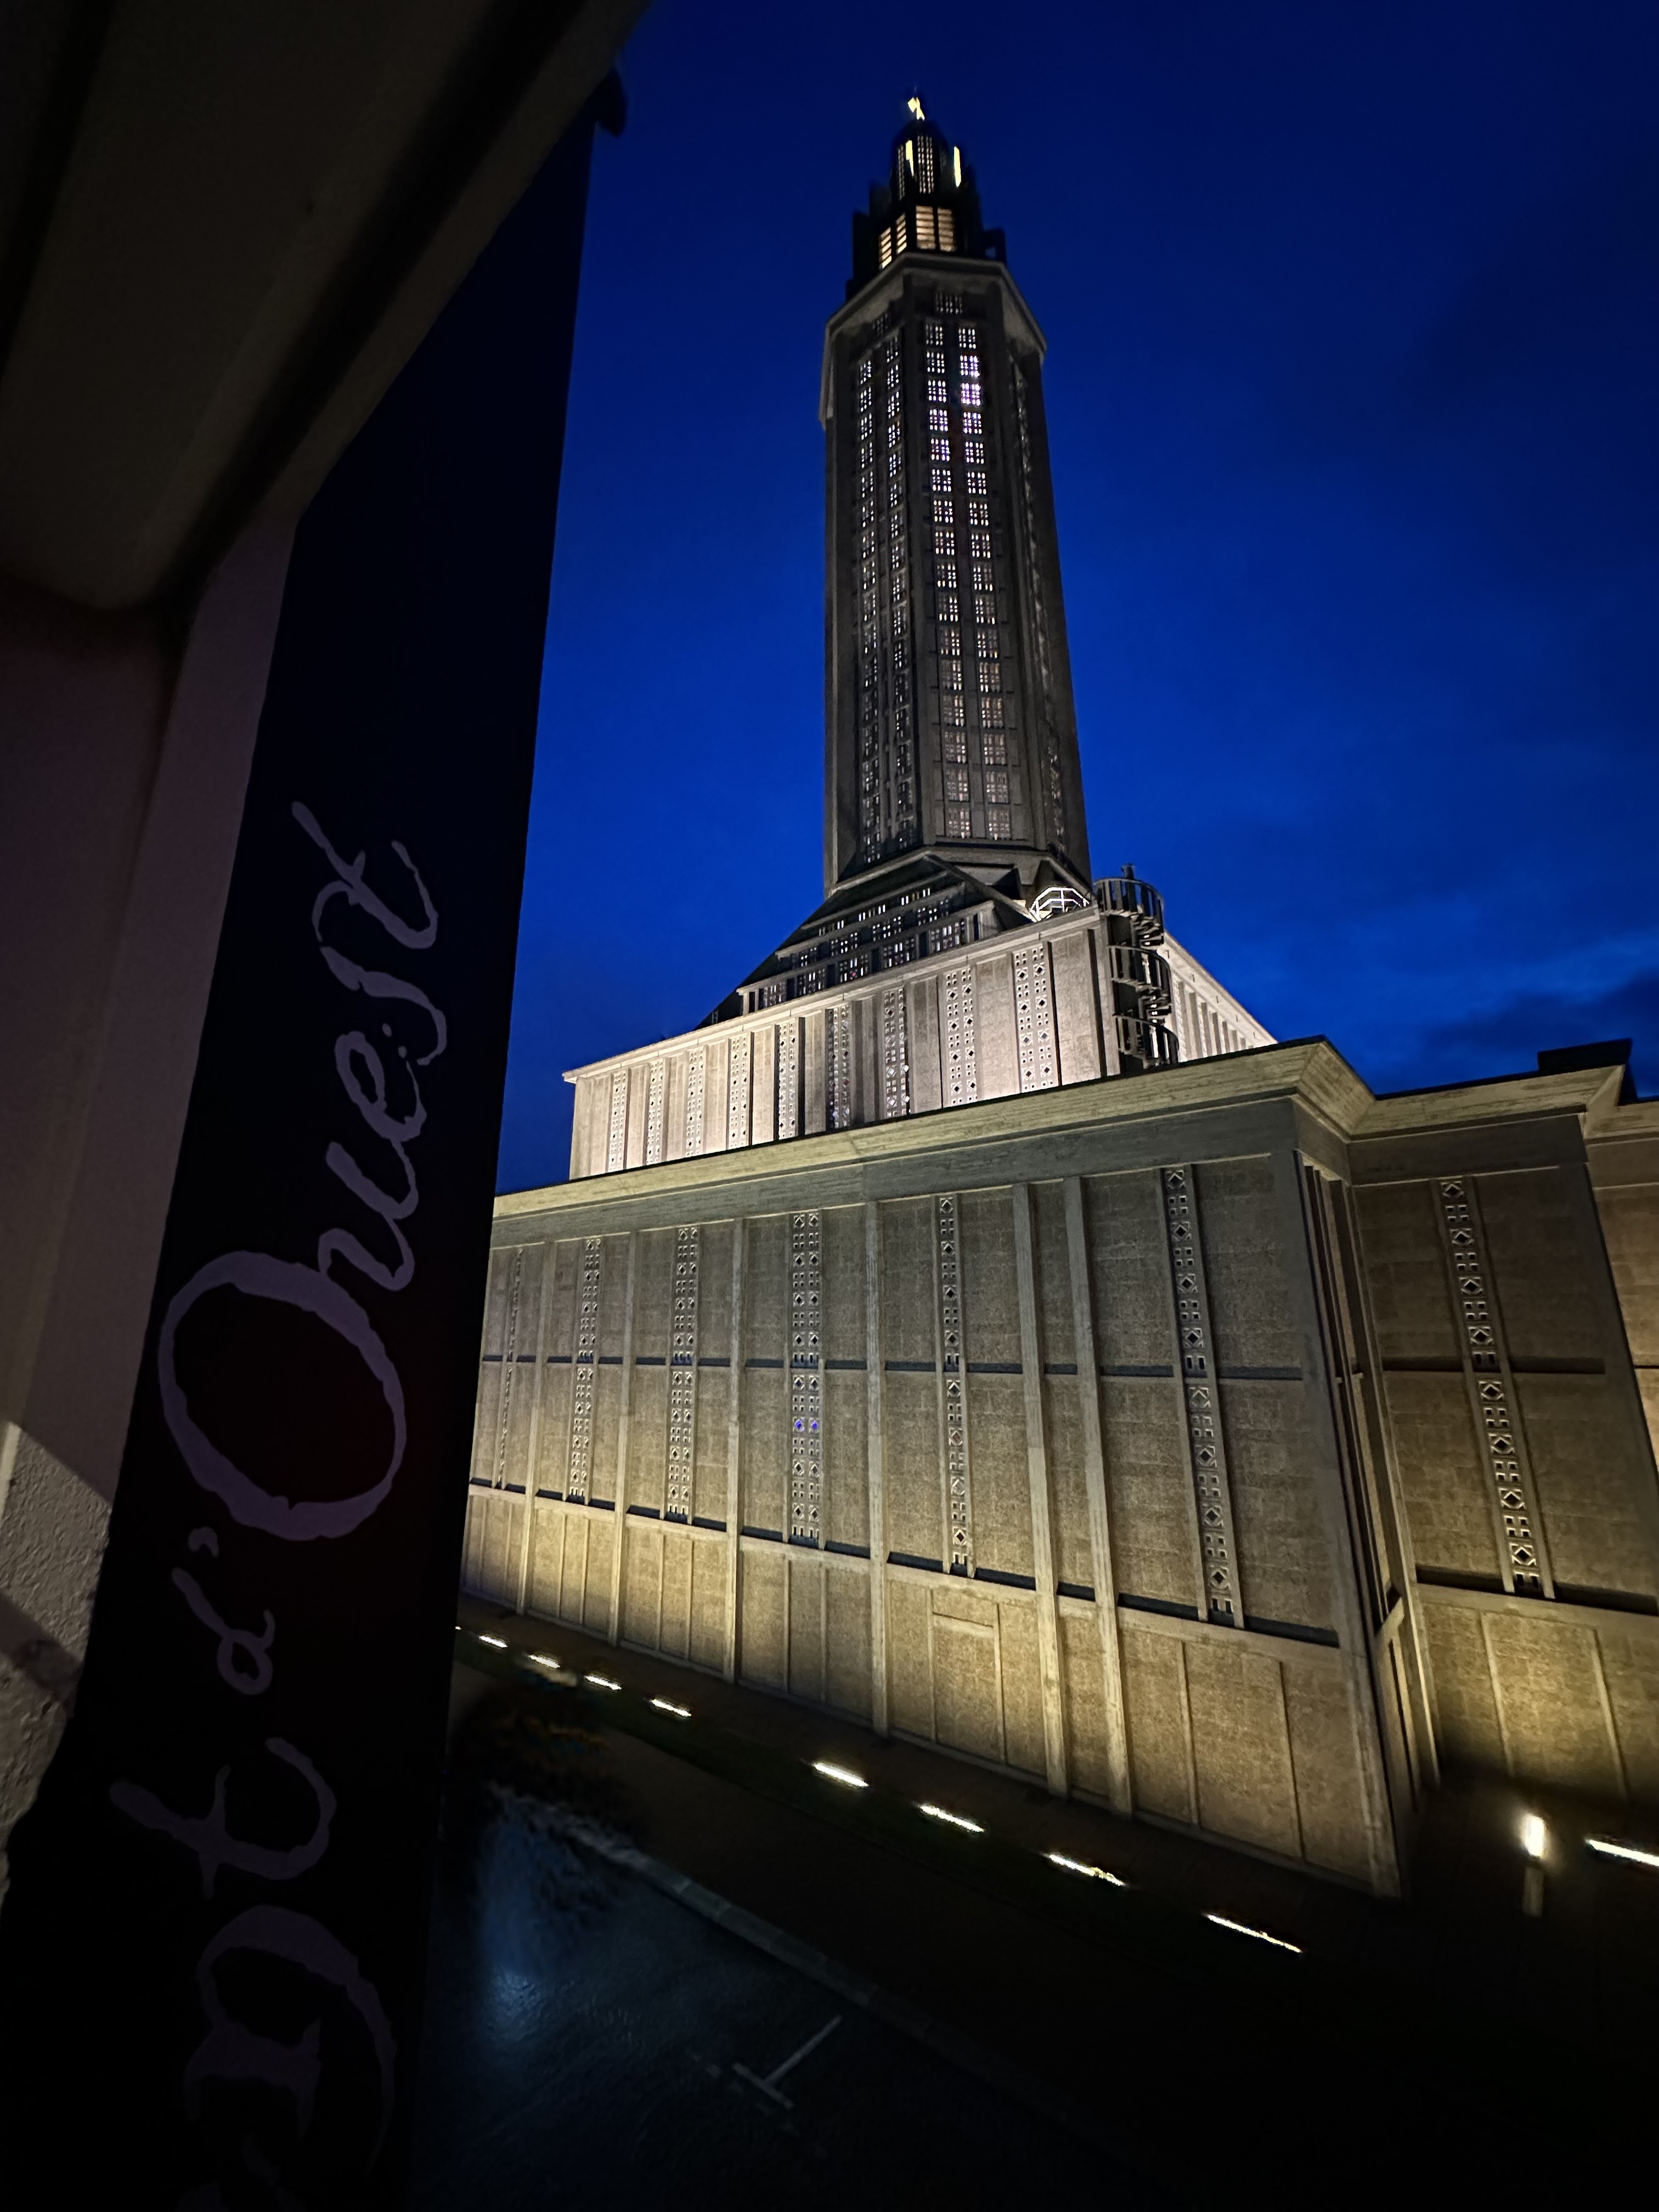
[789, 1078]
[683, 1379]
[737, 1090]
[509, 1365]
[1526, 1569]
[1219, 1597]
[838, 1024]
[695, 1077]
[656, 1088]
[957, 1008]
[616, 1149]
[895, 1055]
[805, 1381]
[1056, 791]
[584, 1360]
[954, 1378]
[1033, 1019]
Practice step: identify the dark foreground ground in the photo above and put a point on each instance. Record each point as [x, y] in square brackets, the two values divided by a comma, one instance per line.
[640, 1918]
[595, 2041]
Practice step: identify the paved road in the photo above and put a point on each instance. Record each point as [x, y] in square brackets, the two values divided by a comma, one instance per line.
[591, 2040]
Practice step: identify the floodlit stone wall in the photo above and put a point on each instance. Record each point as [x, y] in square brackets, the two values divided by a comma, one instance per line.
[1506, 1343]
[1131, 1438]
[1026, 1012]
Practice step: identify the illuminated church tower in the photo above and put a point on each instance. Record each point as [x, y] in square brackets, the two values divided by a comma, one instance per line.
[953, 792]
[950, 723]
[961, 950]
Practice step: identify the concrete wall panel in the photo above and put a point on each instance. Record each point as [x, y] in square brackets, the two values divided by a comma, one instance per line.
[1155, 1700]
[847, 1625]
[1148, 1489]
[1440, 1472]
[1319, 1717]
[909, 1657]
[763, 1646]
[1240, 1748]
[709, 1563]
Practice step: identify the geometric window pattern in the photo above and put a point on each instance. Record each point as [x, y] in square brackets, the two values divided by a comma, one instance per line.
[966, 639]
[886, 736]
[1033, 1019]
[1219, 1597]
[956, 1019]
[805, 1381]
[895, 1056]
[697, 1074]
[683, 1379]
[509, 1363]
[1039, 614]
[618, 1144]
[955, 1382]
[653, 1102]
[1524, 1566]
[583, 1374]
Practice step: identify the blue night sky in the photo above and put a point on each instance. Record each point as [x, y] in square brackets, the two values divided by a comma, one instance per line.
[1353, 338]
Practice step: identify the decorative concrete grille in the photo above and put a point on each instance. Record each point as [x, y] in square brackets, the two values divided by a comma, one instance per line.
[509, 1363]
[954, 1374]
[1220, 1599]
[616, 1151]
[736, 1094]
[895, 1056]
[1033, 1019]
[656, 1088]
[1056, 789]
[1525, 1567]
[583, 1369]
[696, 1076]
[838, 1026]
[886, 770]
[956, 1010]
[683, 1380]
[789, 1079]
[805, 1381]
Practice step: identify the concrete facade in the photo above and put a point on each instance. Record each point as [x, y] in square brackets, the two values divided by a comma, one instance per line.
[1030, 1011]
[1226, 1445]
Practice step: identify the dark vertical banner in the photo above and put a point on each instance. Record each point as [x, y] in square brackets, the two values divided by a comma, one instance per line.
[211, 1955]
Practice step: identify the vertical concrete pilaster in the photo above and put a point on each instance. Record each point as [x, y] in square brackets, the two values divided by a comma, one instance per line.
[1120, 1788]
[875, 1466]
[735, 1455]
[533, 1443]
[1043, 1544]
[622, 1420]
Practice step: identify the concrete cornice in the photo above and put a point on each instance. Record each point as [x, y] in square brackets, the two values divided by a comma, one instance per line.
[1587, 1092]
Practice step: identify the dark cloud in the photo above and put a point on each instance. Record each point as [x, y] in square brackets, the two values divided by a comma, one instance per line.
[1506, 1039]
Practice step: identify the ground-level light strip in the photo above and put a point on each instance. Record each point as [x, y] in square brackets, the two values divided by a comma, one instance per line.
[847, 1778]
[1607, 1848]
[844, 1775]
[1260, 1935]
[1082, 1865]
